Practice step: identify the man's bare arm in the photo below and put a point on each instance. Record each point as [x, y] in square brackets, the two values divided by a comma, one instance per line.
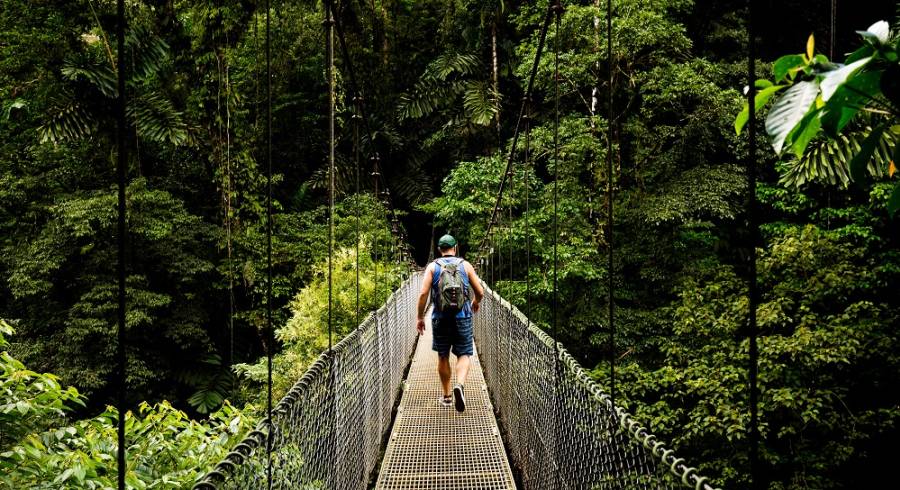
[475, 282]
[423, 297]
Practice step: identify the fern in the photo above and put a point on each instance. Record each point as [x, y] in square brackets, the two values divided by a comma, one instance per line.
[211, 381]
[828, 160]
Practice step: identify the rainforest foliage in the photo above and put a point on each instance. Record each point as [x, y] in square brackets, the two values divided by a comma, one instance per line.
[442, 82]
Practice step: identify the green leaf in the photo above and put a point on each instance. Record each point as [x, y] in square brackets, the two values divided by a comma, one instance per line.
[785, 64]
[894, 202]
[865, 51]
[847, 100]
[805, 131]
[835, 78]
[789, 110]
[762, 97]
[860, 161]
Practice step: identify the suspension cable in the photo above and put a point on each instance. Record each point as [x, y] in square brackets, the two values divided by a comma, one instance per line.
[375, 238]
[357, 100]
[831, 30]
[526, 171]
[354, 85]
[228, 211]
[515, 139]
[269, 330]
[557, 8]
[754, 240]
[329, 71]
[609, 209]
[610, 194]
[121, 163]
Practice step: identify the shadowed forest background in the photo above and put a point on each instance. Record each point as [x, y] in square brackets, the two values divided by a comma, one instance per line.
[442, 83]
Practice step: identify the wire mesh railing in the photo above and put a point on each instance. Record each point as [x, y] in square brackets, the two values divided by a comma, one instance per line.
[327, 431]
[561, 429]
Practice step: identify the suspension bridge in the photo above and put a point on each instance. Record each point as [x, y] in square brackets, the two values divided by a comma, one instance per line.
[533, 412]
[365, 413]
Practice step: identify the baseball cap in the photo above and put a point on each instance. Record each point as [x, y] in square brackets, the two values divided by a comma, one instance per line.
[447, 241]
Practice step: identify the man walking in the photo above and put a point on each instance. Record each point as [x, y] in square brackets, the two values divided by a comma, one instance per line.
[451, 282]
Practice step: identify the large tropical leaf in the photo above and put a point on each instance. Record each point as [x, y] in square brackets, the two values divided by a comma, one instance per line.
[480, 102]
[156, 119]
[149, 53]
[827, 161]
[789, 110]
[66, 120]
[97, 73]
[443, 81]
[833, 79]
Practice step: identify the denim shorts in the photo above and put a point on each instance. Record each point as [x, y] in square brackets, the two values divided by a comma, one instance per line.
[452, 334]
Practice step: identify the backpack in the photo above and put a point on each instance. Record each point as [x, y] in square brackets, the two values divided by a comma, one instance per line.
[451, 290]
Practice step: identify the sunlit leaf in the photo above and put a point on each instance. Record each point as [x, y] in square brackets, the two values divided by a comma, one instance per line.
[789, 110]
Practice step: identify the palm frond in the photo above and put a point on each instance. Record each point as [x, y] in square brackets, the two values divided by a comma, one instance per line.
[148, 50]
[156, 119]
[66, 120]
[448, 64]
[480, 102]
[97, 73]
[828, 160]
[425, 99]
[439, 86]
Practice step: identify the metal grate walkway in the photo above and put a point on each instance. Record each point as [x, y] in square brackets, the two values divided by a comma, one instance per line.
[435, 447]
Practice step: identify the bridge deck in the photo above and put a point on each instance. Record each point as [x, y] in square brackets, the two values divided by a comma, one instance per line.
[435, 447]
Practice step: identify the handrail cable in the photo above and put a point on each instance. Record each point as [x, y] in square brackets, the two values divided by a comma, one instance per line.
[121, 163]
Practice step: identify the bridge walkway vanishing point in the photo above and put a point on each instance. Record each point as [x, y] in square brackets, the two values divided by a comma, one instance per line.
[435, 447]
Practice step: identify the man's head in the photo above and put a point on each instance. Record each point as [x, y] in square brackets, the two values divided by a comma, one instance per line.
[447, 245]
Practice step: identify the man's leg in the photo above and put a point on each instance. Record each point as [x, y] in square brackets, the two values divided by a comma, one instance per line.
[463, 349]
[444, 371]
[462, 369]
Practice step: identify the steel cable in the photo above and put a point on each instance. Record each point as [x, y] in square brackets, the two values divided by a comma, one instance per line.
[270, 333]
[121, 239]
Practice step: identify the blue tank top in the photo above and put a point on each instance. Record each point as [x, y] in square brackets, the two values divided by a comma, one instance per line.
[466, 310]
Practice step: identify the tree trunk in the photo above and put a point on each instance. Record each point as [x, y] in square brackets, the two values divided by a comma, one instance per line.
[495, 76]
[595, 103]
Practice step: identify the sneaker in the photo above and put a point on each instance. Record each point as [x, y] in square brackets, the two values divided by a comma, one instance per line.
[459, 398]
[446, 401]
